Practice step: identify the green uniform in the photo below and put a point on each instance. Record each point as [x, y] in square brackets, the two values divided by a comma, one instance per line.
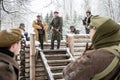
[56, 35]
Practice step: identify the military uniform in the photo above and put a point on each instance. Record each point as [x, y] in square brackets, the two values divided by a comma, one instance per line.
[102, 60]
[56, 35]
[86, 23]
[8, 67]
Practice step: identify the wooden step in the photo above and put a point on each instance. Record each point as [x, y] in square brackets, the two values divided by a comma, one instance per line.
[58, 61]
[58, 64]
[57, 67]
[81, 49]
[81, 36]
[77, 53]
[56, 55]
[76, 57]
[81, 40]
[55, 50]
[83, 44]
[58, 75]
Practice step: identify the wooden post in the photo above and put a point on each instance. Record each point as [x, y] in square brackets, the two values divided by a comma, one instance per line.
[32, 57]
[70, 40]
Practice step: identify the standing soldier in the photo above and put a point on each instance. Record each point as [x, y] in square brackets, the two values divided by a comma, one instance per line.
[40, 30]
[86, 21]
[9, 46]
[56, 26]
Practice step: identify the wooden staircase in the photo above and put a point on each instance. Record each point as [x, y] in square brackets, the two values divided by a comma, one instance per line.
[54, 61]
[49, 64]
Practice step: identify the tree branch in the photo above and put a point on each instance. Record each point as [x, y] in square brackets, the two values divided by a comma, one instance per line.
[8, 12]
[48, 4]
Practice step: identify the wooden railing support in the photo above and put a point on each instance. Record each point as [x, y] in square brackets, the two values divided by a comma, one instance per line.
[32, 57]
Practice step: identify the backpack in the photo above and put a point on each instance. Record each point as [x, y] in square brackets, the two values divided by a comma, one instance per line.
[111, 66]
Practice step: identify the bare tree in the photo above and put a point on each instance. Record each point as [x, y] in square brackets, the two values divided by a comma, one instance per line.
[0, 14]
[4, 9]
[112, 8]
[13, 12]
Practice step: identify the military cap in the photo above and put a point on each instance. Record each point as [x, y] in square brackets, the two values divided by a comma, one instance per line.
[72, 27]
[56, 12]
[9, 37]
[22, 24]
[38, 16]
[88, 11]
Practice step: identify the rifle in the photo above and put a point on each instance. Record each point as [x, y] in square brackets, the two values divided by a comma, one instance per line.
[54, 29]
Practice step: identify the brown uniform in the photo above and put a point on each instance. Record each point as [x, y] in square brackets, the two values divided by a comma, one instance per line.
[8, 68]
[93, 62]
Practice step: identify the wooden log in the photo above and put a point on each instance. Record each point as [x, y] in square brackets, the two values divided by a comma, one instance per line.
[21, 59]
[81, 36]
[32, 57]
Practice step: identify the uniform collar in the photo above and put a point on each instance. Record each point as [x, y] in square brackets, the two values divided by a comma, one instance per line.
[7, 52]
[8, 59]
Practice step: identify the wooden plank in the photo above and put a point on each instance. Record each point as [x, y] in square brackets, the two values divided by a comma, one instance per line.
[81, 36]
[78, 53]
[57, 67]
[58, 75]
[81, 44]
[82, 40]
[58, 61]
[79, 49]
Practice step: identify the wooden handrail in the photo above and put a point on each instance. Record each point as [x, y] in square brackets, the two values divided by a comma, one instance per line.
[45, 62]
[46, 66]
[71, 56]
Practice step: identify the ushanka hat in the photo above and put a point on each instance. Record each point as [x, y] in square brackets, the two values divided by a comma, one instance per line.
[9, 37]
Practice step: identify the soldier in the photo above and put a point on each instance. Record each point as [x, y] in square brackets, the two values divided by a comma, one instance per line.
[56, 26]
[9, 46]
[73, 30]
[86, 21]
[24, 33]
[101, 61]
[40, 28]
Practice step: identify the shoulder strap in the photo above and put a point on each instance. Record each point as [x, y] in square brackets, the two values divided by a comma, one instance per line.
[110, 67]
